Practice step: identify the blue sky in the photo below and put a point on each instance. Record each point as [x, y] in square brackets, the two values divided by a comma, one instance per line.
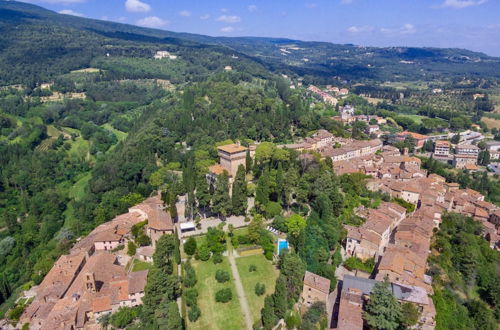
[471, 24]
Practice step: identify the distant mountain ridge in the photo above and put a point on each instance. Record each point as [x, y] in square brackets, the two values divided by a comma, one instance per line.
[321, 62]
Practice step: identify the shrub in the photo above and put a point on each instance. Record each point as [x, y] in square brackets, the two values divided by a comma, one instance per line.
[123, 317]
[131, 248]
[118, 248]
[16, 312]
[194, 313]
[356, 263]
[222, 276]
[191, 295]
[235, 241]
[203, 253]
[190, 246]
[269, 255]
[217, 258]
[273, 209]
[252, 268]
[224, 295]
[189, 275]
[260, 289]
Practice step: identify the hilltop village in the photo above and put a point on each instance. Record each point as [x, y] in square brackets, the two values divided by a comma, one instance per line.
[96, 278]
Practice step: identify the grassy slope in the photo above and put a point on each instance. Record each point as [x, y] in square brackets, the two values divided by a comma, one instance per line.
[215, 315]
[266, 273]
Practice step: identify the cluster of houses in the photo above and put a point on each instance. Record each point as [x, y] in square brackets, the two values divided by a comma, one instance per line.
[329, 95]
[397, 240]
[92, 280]
[164, 54]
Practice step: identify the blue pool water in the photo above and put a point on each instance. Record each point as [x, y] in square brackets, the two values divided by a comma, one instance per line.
[282, 244]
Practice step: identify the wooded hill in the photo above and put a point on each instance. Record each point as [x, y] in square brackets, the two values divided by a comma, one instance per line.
[37, 43]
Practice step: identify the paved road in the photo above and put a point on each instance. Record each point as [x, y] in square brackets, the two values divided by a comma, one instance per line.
[239, 290]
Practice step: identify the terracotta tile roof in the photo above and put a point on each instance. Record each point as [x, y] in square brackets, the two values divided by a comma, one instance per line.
[442, 143]
[101, 304]
[109, 235]
[416, 136]
[317, 282]
[146, 251]
[216, 169]
[350, 315]
[137, 281]
[157, 217]
[232, 148]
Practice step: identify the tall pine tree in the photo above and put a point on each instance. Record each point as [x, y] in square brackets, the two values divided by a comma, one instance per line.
[383, 310]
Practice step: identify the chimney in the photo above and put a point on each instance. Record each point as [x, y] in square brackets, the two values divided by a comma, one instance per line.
[405, 151]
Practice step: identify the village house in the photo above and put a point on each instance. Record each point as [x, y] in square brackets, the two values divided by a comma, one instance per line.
[463, 161]
[419, 138]
[350, 315]
[90, 282]
[370, 239]
[404, 265]
[467, 149]
[356, 292]
[316, 289]
[145, 253]
[92, 289]
[159, 221]
[442, 148]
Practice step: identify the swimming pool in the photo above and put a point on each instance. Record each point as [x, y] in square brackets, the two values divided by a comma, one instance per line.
[282, 244]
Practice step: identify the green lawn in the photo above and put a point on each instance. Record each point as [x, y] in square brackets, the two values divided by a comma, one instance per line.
[141, 265]
[77, 192]
[119, 134]
[215, 315]
[416, 118]
[266, 273]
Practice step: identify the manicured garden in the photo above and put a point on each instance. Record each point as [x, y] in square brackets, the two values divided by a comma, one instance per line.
[265, 273]
[215, 315]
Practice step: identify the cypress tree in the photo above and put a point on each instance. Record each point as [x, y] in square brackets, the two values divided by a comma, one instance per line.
[202, 193]
[248, 162]
[221, 203]
[267, 313]
[262, 190]
[280, 297]
[239, 194]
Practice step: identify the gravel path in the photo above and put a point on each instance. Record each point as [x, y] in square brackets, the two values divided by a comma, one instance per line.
[239, 290]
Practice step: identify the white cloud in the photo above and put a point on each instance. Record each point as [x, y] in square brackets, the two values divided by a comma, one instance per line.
[227, 29]
[185, 13]
[405, 29]
[224, 10]
[408, 29]
[360, 29]
[346, 2]
[70, 12]
[137, 6]
[152, 22]
[311, 5]
[204, 17]
[252, 8]
[231, 19]
[458, 4]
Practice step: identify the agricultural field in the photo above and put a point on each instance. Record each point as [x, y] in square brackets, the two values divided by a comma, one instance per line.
[215, 315]
[266, 273]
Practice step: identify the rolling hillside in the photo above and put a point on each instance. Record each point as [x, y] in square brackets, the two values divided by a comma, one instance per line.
[28, 55]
